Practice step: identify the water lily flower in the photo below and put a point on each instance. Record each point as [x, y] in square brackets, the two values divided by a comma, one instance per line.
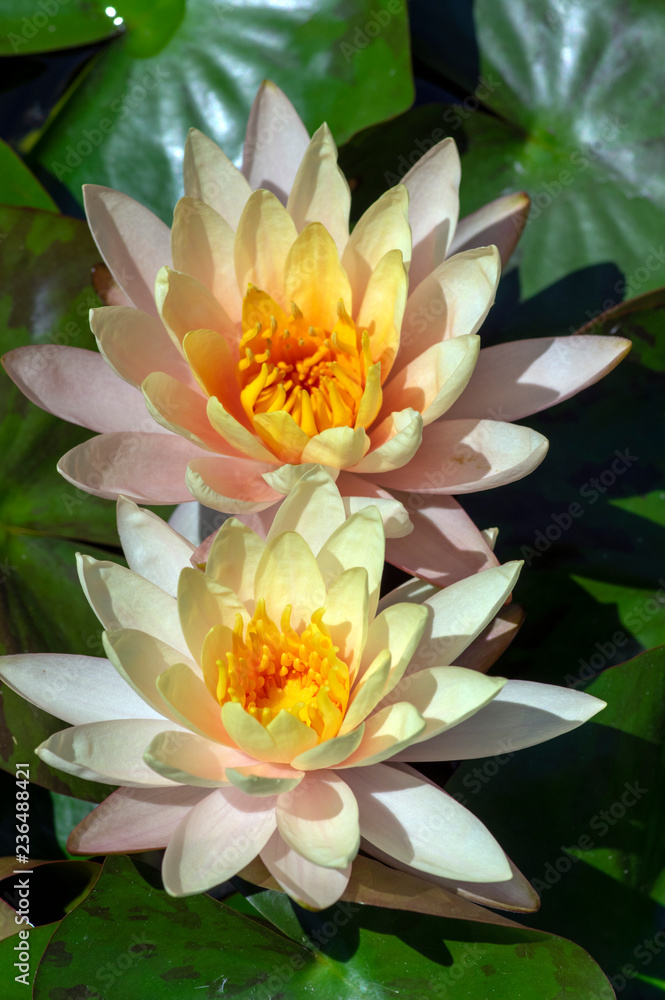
[269, 705]
[259, 337]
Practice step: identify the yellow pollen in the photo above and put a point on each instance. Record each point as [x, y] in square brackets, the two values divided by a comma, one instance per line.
[275, 668]
[316, 375]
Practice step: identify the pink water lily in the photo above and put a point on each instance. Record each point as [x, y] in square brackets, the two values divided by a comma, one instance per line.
[270, 705]
[259, 337]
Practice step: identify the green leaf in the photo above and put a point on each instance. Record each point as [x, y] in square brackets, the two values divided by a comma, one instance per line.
[584, 818]
[576, 128]
[129, 110]
[18, 186]
[126, 936]
[38, 939]
[53, 24]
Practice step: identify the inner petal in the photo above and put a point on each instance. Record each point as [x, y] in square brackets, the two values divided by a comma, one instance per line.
[272, 669]
[319, 376]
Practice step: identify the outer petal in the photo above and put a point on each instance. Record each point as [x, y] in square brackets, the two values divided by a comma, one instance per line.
[109, 752]
[424, 827]
[134, 819]
[452, 301]
[147, 468]
[202, 244]
[460, 612]
[433, 185]
[479, 455]
[78, 386]
[523, 714]
[383, 227]
[493, 640]
[386, 732]
[319, 820]
[320, 191]
[211, 177]
[151, 547]
[198, 858]
[522, 377]
[76, 689]
[131, 239]
[275, 142]
[191, 760]
[265, 234]
[122, 599]
[500, 222]
[433, 381]
[312, 886]
[358, 493]
[135, 344]
[233, 485]
[444, 546]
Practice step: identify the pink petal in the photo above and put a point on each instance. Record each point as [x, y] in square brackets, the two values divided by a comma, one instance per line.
[233, 485]
[485, 650]
[513, 380]
[78, 386]
[464, 456]
[433, 185]
[445, 544]
[133, 242]
[146, 468]
[275, 142]
[500, 222]
[134, 819]
[220, 835]
[308, 884]
[135, 344]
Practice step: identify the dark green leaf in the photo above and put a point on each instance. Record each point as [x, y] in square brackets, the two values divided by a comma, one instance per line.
[38, 939]
[130, 110]
[18, 186]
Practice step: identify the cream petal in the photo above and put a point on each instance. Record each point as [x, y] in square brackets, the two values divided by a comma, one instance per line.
[202, 604]
[139, 659]
[231, 428]
[358, 493]
[263, 779]
[366, 694]
[190, 759]
[319, 820]
[151, 547]
[122, 599]
[134, 819]
[433, 381]
[78, 386]
[232, 485]
[522, 377]
[337, 447]
[279, 431]
[523, 714]
[181, 410]
[485, 650]
[211, 177]
[275, 142]
[433, 186]
[248, 733]
[359, 539]
[198, 858]
[382, 309]
[131, 239]
[394, 443]
[265, 235]
[383, 227]
[146, 468]
[313, 509]
[190, 703]
[185, 304]
[310, 885]
[76, 689]
[320, 191]
[291, 736]
[386, 732]
[346, 614]
[108, 752]
[285, 477]
[460, 612]
[451, 301]
[398, 628]
[288, 573]
[202, 243]
[233, 558]
[135, 344]
[500, 222]
[468, 456]
[444, 546]
[422, 826]
[329, 753]
[314, 278]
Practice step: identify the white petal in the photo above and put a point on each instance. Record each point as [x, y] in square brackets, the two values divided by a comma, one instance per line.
[319, 819]
[151, 547]
[310, 885]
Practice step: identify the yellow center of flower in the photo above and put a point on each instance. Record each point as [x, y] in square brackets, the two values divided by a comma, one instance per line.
[273, 668]
[318, 376]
